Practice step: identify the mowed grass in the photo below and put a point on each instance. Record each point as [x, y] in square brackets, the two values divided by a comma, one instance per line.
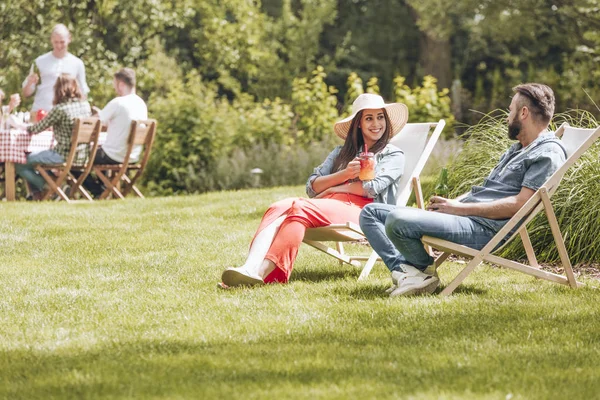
[118, 300]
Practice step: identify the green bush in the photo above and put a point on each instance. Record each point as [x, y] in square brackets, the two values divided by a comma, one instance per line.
[425, 103]
[575, 202]
[207, 141]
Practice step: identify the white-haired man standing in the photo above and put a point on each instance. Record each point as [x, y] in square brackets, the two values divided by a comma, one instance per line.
[50, 66]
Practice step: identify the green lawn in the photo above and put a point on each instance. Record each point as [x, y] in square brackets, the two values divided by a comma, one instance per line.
[118, 300]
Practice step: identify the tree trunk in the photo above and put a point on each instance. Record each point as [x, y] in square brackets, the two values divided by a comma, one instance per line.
[436, 59]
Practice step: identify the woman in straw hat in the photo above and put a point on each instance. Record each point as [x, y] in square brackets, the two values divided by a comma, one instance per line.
[336, 195]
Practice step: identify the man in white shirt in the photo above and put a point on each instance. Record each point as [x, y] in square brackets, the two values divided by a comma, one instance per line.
[117, 117]
[50, 66]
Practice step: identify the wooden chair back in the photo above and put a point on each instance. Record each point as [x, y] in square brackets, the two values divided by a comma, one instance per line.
[85, 131]
[141, 132]
[416, 140]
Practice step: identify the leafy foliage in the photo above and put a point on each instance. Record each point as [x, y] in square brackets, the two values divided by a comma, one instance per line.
[425, 103]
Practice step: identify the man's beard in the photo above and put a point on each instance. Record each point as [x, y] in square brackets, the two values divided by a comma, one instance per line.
[514, 128]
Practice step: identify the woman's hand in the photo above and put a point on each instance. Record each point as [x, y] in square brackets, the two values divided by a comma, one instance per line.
[446, 206]
[353, 169]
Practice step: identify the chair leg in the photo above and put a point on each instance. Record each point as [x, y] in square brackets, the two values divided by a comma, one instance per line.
[54, 188]
[461, 276]
[368, 266]
[332, 252]
[416, 182]
[439, 261]
[77, 186]
[558, 239]
[528, 248]
[137, 191]
[130, 185]
[110, 186]
[340, 248]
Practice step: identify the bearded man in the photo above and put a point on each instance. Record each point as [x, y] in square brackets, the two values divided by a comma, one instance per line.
[475, 217]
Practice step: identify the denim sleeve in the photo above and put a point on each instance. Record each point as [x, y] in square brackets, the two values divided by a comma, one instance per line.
[324, 169]
[542, 168]
[389, 169]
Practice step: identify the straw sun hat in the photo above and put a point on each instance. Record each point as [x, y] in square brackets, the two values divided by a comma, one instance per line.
[397, 112]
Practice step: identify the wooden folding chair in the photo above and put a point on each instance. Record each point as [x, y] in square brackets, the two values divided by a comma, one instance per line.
[89, 132]
[85, 131]
[417, 141]
[142, 132]
[576, 142]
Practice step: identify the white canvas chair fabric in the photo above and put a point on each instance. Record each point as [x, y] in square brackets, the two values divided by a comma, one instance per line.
[417, 141]
[576, 141]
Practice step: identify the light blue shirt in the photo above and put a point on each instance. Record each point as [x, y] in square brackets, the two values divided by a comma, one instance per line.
[519, 167]
[388, 170]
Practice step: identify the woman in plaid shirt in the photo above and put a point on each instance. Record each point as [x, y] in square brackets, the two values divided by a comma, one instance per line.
[68, 105]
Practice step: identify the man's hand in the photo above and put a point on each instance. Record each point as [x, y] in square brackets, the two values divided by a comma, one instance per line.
[32, 79]
[446, 206]
[353, 169]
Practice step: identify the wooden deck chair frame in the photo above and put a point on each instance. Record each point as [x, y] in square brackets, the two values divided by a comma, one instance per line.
[89, 133]
[85, 130]
[142, 132]
[428, 133]
[576, 141]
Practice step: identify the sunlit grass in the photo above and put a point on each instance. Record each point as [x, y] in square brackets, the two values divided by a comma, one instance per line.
[118, 300]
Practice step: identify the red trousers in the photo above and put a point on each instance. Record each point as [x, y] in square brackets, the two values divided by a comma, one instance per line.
[300, 214]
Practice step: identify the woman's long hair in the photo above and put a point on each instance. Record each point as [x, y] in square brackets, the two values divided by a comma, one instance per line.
[355, 141]
[66, 88]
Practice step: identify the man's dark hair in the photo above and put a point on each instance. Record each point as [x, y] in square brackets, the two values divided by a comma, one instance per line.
[127, 76]
[538, 98]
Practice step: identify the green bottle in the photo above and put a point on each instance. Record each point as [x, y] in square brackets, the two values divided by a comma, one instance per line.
[441, 188]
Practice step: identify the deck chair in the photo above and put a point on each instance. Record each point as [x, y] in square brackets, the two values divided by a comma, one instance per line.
[85, 131]
[417, 141]
[115, 176]
[576, 142]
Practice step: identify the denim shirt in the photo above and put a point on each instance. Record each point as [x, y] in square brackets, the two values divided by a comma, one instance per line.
[519, 167]
[388, 170]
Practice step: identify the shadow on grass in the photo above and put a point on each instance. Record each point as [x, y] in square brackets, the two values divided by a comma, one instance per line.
[364, 292]
[323, 275]
[372, 292]
[464, 289]
[240, 369]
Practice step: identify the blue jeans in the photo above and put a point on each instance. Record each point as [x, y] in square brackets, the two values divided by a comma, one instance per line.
[395, 233]
[28, 172]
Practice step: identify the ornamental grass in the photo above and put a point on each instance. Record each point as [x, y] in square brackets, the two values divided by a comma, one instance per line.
[576, 203]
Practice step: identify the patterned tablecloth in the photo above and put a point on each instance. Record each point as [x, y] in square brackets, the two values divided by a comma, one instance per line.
[15, 143]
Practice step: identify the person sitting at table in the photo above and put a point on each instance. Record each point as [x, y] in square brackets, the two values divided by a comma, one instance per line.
[69, 104]
[117, 116]
[13, 102]
[336, 193]
[50, 66]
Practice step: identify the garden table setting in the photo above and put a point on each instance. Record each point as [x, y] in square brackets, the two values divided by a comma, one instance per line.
[14, 146]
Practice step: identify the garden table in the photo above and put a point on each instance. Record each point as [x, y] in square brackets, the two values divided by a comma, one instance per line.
[14, 146]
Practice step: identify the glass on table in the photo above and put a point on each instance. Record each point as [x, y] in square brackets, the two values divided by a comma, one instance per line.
[4, 120]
